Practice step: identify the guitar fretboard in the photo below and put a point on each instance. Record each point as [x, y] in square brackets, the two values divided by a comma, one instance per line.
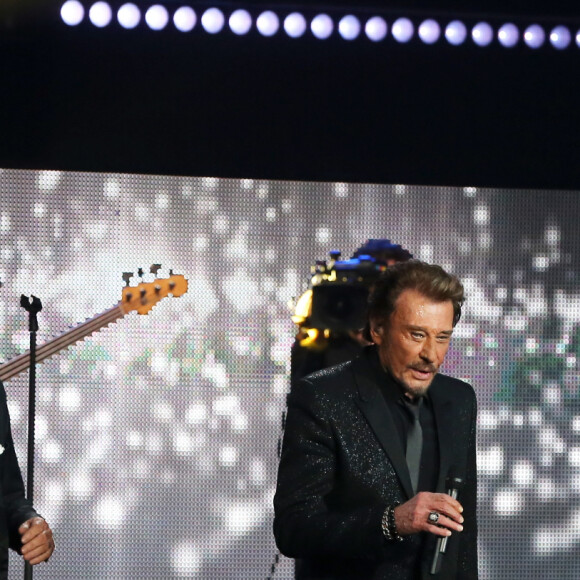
[21, 363]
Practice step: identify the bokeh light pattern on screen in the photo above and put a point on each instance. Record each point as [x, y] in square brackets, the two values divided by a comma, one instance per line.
[156, 437]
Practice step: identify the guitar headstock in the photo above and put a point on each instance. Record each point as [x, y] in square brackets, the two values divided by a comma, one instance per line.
[143, 297]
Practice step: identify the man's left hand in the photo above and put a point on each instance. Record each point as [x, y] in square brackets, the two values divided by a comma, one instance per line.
[37, 540]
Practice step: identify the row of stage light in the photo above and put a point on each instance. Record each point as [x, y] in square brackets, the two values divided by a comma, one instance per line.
[322, 26]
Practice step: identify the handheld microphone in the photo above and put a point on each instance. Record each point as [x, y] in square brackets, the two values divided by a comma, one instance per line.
[453, 483]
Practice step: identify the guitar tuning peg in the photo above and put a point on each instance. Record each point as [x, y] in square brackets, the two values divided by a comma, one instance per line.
[155, 268]
[126, 277]
[171, 272]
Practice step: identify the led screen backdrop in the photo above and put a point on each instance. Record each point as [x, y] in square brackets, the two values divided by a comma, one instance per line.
[157, 436]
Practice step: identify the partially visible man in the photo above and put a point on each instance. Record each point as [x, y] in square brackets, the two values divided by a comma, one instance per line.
[369, 444]
[21, 528]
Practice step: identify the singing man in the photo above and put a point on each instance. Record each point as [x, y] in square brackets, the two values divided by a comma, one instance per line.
[369, 445]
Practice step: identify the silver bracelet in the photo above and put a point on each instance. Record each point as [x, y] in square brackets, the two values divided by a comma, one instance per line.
[388, 524]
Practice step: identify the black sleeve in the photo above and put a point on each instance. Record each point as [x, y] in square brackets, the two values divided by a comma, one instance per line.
[467, 562]
[304, 524]
[17, 508]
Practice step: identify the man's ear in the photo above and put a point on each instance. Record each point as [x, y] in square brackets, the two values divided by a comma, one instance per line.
[376, 332]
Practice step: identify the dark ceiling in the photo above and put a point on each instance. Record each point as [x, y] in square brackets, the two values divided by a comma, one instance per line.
[195, 104]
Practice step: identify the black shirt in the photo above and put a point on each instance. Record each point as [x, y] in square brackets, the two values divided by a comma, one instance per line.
[394, 396]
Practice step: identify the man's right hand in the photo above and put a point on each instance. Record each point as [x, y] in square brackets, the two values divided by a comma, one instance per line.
[37, 540]
[412, 516]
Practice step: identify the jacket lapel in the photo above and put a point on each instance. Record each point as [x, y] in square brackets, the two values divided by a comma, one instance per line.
[378, 415]
[444, 419]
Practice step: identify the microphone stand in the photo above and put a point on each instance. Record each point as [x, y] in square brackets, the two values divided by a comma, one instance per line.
[33, 306]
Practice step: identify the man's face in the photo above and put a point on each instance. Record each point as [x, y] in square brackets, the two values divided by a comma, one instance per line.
[414, 342]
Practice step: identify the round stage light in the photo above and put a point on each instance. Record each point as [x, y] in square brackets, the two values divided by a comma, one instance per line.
[322, 26]
[508, 35]
[482, 34]
[128, 16]
[157, 17]
[456, 32]
[403, 30]
[72, 12]
[534, 36]
[185, 19]
[212, 20]
[376, 28]
[295, 25]
[429, 31]
[349, 27]
[268, 23]
[240, 22]
[100, 14]
[560, 37]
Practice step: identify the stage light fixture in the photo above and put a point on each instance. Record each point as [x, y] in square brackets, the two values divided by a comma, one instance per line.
[349, 27]
[128, 16]
[157, 17]
[322, 26]
[429, 31]
[508, 35]
[376, 28]
[100, 14]
[482, 34]
[534, 36]
[268, 23]
[212, 20]
[295, 25]
[240, 22]
[456, 32]
[560, 37]
[403, 30]
[185, 19]
[72, 12]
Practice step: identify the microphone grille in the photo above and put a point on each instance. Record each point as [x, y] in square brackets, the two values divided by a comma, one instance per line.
[454, 479]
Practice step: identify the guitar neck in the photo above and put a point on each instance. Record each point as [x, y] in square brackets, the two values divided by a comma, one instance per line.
[21, 363]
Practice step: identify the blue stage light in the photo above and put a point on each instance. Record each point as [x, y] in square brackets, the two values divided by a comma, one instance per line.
[185, 19]
[295, 25]
[240, 22]
[403, 30]
[534, 36]
[72, 12]
[376, 28]
[429, 31]
[268, 23]
[349, 27]
[456, 32]
[213, 20]
[322, 26]
[482, 34]
[508, 35]
[100, 14]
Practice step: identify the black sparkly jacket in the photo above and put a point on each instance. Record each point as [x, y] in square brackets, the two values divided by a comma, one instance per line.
[342, 463]
[14, 508]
